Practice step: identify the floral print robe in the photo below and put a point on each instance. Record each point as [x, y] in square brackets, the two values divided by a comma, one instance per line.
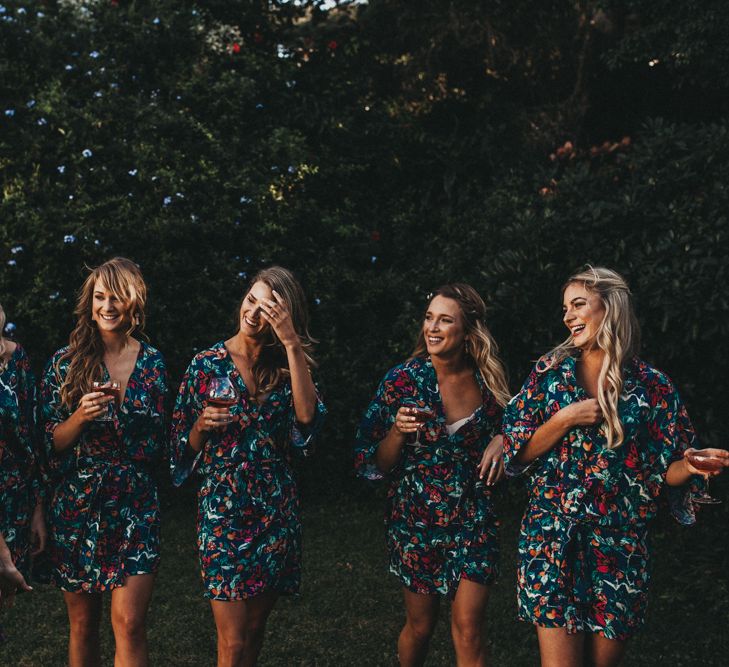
[583, 548]
[440, 519]
[104, 512]
[20, 488]
[249, 529]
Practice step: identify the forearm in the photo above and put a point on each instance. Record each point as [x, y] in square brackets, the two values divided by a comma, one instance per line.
[197, 439]
[68, 432]
[302, 386]
[5, 557]
[678, 473]
[544, 438]
[388, 452]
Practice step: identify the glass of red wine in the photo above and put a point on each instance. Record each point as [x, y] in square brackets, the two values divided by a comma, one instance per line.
[108, 388]
[222, 393]
[422, 414]
[706, 463]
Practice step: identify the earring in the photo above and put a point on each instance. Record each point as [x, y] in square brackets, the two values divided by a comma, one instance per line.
[136, 320]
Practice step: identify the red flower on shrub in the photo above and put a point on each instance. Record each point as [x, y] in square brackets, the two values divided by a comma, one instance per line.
[332, 44]
[375, 235]
[236, 48]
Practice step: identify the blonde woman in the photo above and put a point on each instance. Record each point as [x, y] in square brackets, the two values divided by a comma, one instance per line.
[601, 434]
[22, 527]
[104, 512]
[249, 528]
[433, 429]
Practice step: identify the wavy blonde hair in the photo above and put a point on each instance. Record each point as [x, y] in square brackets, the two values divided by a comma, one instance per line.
[272, 365]
[123, 279]
[480, 344]
[618, 336]
[3, 360]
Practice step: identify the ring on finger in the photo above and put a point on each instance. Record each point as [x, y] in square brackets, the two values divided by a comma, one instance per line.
[494, 464]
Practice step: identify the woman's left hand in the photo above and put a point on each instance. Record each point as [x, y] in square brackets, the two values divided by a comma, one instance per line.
[276, 313]
[492, 461]
[721, 455]
[38, 532]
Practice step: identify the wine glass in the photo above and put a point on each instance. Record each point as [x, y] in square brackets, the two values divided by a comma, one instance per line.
[108, 388]
[706, 463]
[422, 413]
[222, 393]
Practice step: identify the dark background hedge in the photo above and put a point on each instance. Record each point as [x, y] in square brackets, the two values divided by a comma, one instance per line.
[378, 149]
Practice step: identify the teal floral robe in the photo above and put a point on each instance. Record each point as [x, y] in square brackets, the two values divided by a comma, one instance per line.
[441, 524]
[583, 548]
[104, 511]
[20, 488]
[248, 521]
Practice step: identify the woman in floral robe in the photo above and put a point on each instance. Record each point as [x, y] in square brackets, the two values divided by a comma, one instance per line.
[104, 512]
[21, 506]
[441, 526]
[249, 531]
[600, 433]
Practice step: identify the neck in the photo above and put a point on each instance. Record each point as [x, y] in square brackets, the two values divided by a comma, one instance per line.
[248, 347]
[591, 360]
[114, 342]
[448, 365]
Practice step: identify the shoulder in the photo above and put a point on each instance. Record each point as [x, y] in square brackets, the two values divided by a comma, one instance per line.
[407, 371]
[208, 356]
[151, 354]
[656, 382]
[59, 359]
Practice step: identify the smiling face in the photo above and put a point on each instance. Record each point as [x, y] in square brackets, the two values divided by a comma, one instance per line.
[444, 327]
[252, 322]
[109, 312]
[583, 313]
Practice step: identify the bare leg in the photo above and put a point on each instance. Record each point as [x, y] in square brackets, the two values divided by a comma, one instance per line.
[241, 625]
[129, 606]
[559, 649]
[421, 615]
[84, 615]
[467, 618]
[603, 652]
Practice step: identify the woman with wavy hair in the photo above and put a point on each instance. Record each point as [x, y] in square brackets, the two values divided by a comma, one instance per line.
[433, 429]
[249, 530]
[22, 527]
[101, 447]
[601, 435]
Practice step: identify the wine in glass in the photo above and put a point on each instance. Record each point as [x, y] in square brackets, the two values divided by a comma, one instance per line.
[706, 463]
[108, 388]
[222, 393]
[422, 414]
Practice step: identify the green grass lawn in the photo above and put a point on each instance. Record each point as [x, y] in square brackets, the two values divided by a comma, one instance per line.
[349, 611]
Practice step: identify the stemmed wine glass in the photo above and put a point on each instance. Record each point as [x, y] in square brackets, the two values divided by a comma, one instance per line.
[222, 393]
[706, 463]
[422, 413]
[108, 388]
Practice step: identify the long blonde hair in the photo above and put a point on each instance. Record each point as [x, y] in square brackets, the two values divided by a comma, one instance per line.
[3, 360]
[618, 336]
[123, 279]
[272, 365]
[480, 344]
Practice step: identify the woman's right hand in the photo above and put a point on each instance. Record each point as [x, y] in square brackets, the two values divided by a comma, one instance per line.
[581, 413]
[405, 421]
[213, 419]
[93, 405]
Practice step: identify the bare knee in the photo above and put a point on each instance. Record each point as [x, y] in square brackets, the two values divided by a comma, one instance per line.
[466, 630]
[128, 625]
[421, 628]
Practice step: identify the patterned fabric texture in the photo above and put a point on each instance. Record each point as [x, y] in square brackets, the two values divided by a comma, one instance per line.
[583, 548]
[440, 519]
[20, 488]
[104, 512]
[249, 529]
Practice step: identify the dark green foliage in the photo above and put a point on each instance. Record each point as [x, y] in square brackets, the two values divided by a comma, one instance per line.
[378, 149]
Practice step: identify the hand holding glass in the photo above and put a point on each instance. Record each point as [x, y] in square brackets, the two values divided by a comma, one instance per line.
[108, 388]
[222, 394]
[706, 463]
[422, 414]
